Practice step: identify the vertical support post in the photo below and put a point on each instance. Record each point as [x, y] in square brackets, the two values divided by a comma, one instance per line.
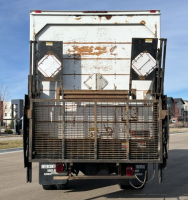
[30, 145]
[31, 131]
[29, 172]
[95, 143]
[160, 146]
[159, 68]
[127, 125]
[34, 68]
[63, 132]
[163, 66]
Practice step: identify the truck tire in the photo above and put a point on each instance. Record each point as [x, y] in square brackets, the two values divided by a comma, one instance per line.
[62, 186]
[124, 187]
[48, 187]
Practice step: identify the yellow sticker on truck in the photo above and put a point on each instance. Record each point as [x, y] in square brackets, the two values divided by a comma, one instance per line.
[148, 40]
[49, 43]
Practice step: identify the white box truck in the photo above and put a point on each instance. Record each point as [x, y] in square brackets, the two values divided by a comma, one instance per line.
[96, 97]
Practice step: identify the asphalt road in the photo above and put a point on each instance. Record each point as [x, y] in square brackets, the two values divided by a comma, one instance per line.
[13, 180]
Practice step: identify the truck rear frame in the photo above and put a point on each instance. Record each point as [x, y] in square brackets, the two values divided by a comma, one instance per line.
[104, 126]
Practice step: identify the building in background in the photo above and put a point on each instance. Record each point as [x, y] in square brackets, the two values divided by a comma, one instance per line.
[10, 110]
[17, 105]
[179, 109]
[185, 112]
[7, 113]
[171, 105]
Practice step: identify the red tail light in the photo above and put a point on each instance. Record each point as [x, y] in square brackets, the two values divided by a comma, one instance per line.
[59, 167]
[37, 11]
[152, 11]
[129, 171]
[133, 132]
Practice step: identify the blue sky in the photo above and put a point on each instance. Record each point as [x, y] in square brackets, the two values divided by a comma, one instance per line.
[14, 38]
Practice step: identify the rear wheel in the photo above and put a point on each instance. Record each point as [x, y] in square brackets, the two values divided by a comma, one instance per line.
[48, 187]
[132, 184]
[124, 187]
[62, 186]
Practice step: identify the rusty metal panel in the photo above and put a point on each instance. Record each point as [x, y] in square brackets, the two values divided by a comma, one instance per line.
[104, 49]
[48, 130]
[150, 20]
[101, 45]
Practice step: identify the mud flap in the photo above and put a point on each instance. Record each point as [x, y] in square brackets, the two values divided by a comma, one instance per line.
[47, 172]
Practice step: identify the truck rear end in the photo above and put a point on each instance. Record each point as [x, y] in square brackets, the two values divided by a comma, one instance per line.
[95, 97]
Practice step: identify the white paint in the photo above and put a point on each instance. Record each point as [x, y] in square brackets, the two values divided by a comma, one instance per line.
[144, 64]
[139, 94]
[140, 166]
[100, 45]
[142, 85]
[49, 65]
[38, 21]
[47, 166]
[96, 82]
[47, 174]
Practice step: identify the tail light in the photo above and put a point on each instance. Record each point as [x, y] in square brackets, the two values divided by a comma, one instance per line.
[59, 167]
[152, 11]
[129, 171]
[37, 11]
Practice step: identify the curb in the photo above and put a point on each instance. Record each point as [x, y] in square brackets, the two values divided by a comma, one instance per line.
[10, 150]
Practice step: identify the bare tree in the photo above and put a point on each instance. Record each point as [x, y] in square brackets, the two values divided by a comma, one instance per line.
[4, 97]
[176, 113]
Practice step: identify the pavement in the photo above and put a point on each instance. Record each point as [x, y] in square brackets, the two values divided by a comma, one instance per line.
[175, 187]
[11, 150]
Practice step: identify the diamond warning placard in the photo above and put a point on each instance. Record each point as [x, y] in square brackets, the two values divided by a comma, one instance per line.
[49, 65]
[144, 64]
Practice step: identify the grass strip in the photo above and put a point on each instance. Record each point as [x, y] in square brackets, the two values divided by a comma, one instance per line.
[11, 144]
[178, 130]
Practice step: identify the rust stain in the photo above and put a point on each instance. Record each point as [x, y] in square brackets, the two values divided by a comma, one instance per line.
[155, 30]
[108, 17]
[115, 23]
[129, 15]
[88, 50]
[78, 18]
[99, 18]
[115, 87]
[52, 53]
[126, 21]
[104, 68]
[113, 48]
[143, 22]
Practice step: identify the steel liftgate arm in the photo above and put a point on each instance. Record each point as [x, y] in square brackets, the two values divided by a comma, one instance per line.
[27, 164]
[165, 120]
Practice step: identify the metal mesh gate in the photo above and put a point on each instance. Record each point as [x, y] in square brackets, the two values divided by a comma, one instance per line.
[96, 130]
